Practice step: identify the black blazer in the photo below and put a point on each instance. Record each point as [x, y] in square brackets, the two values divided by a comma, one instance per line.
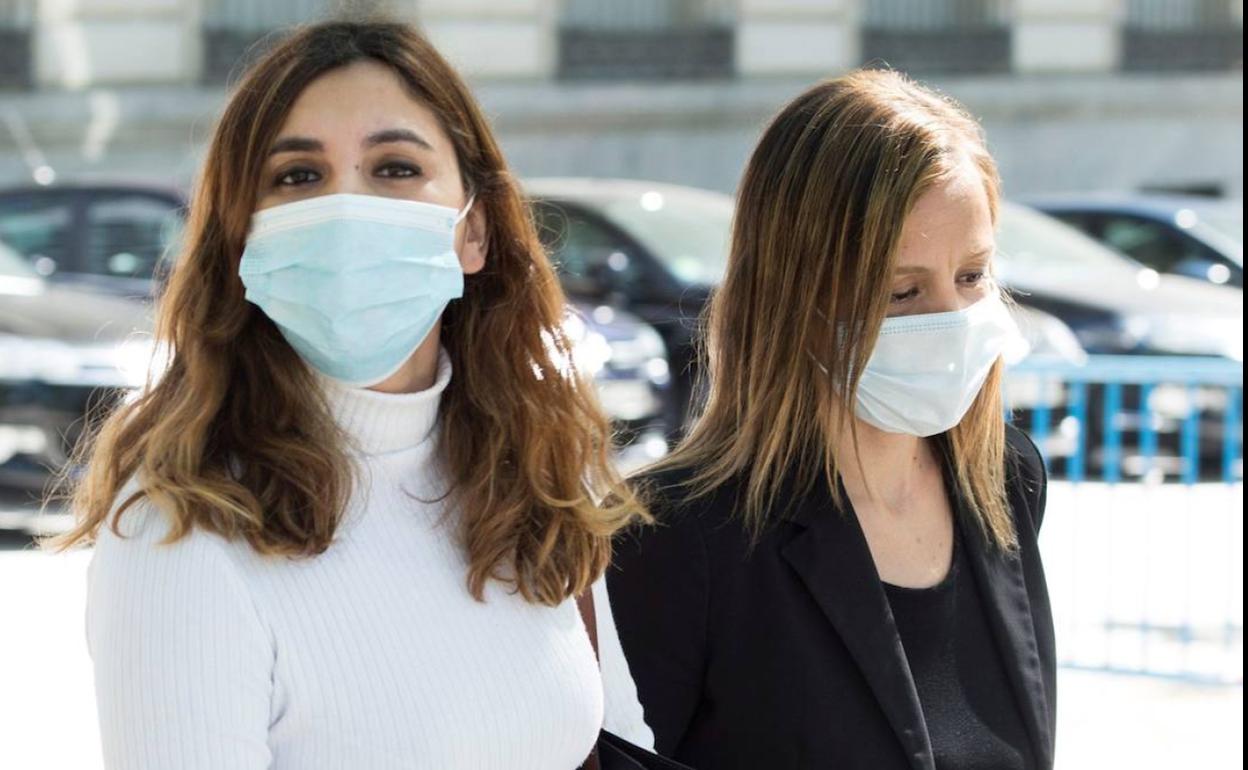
[786, 655]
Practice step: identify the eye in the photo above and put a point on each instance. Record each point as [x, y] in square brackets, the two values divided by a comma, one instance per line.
[296, 177]
[904, 296]
[974, 278]
[397, 170]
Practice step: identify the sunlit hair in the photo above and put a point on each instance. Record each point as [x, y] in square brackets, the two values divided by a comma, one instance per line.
[819, 216]
[236, 438]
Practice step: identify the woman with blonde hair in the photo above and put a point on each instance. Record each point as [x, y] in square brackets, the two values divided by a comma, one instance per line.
[346, 525]
[844, 571]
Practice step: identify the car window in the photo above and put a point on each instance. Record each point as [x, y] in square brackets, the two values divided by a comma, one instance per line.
[688, 231]
[1150, 243]
[128, 234]
[590, 259]
[1031, 244]
[40, 228]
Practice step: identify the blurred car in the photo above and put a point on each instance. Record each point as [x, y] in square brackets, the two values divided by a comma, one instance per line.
[651, 249]
[81, 272]
[64, 352]
[657, 250]
[1182, 235]
[108, 237]
[1114, 304]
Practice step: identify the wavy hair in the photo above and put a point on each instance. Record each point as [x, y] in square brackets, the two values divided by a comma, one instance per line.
[819, 216]
[235, 437]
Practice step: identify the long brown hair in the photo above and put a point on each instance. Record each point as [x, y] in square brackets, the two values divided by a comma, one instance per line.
[819, 215]
[235, 436]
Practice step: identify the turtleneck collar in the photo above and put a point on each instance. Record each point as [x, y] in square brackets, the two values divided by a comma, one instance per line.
[379, 423]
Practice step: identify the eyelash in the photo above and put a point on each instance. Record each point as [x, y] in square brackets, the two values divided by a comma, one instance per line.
[910, 294]
[282, 180]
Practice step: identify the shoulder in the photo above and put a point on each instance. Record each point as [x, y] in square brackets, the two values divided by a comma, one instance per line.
[672, 495]
[1025, 476]
[138, 562]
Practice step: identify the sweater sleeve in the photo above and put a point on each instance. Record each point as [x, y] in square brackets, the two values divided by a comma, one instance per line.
[183, 662]
[624, 716]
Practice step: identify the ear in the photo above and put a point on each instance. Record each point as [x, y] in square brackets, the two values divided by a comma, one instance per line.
[474, 241]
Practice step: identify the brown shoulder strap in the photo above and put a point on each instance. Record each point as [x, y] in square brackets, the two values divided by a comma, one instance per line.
[585, 603]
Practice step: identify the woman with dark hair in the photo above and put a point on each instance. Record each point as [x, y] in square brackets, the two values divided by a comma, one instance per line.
[844, 571]
[346, 526]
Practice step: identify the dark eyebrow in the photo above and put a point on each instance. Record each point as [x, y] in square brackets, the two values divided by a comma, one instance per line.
[296, 144]
[910, 269]
[396, 135]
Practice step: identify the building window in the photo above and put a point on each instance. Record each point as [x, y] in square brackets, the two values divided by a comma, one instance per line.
[1179, 35]
[235, 32]
[16, 21]
[937, 36]
[646, 39]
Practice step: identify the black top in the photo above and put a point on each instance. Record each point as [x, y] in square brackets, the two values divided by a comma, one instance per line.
[784, 654]
[964, 690]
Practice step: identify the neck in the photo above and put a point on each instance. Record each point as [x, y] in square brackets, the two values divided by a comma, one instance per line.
[419, 372]
[892, 464]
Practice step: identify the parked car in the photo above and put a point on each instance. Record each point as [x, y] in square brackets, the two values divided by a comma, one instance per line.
[108, 237]
[65, 352]
[88, 256]
[1114, 304]
[1182, 235]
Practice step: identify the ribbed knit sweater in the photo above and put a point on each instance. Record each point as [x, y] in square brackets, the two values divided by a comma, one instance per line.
[370, 655]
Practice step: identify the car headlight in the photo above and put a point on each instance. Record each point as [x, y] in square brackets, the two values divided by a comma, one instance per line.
[638, 350]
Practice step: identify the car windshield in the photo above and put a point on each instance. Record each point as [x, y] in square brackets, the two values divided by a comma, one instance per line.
[13, 265]
[686, 230]
[1228, 223]
[1029, 243]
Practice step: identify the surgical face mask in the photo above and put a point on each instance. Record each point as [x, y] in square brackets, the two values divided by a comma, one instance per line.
[355, 283]
[926, 370]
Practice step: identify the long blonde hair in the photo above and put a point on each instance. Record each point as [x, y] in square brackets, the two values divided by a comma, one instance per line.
[819, 214]
[235, 437]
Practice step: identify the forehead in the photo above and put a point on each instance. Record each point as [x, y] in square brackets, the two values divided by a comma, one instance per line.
[356, 100]
[950, 219]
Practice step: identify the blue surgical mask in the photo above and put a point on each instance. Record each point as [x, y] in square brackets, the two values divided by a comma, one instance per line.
[355, 283]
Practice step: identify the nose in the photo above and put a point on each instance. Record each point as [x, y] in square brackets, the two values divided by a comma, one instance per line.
[348, 175]
[946, 298]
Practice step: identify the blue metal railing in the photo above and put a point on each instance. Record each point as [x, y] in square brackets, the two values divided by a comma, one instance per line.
[1109, 375]
[1145, 510]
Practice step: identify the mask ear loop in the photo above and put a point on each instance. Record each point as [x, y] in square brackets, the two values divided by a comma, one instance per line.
[467, 207]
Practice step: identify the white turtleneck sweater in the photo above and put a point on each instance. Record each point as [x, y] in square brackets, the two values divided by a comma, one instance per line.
[371, 655]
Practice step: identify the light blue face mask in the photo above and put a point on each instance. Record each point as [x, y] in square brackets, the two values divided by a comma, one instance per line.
[355, 283]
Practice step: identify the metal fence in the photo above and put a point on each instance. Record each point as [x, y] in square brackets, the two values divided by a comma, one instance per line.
[16, 22]
[1183, 35]
[945, 36]
[1143, 539]
[646, 39]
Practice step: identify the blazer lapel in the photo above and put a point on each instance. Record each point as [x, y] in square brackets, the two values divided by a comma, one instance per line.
[1001, 584]
[832, 557]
